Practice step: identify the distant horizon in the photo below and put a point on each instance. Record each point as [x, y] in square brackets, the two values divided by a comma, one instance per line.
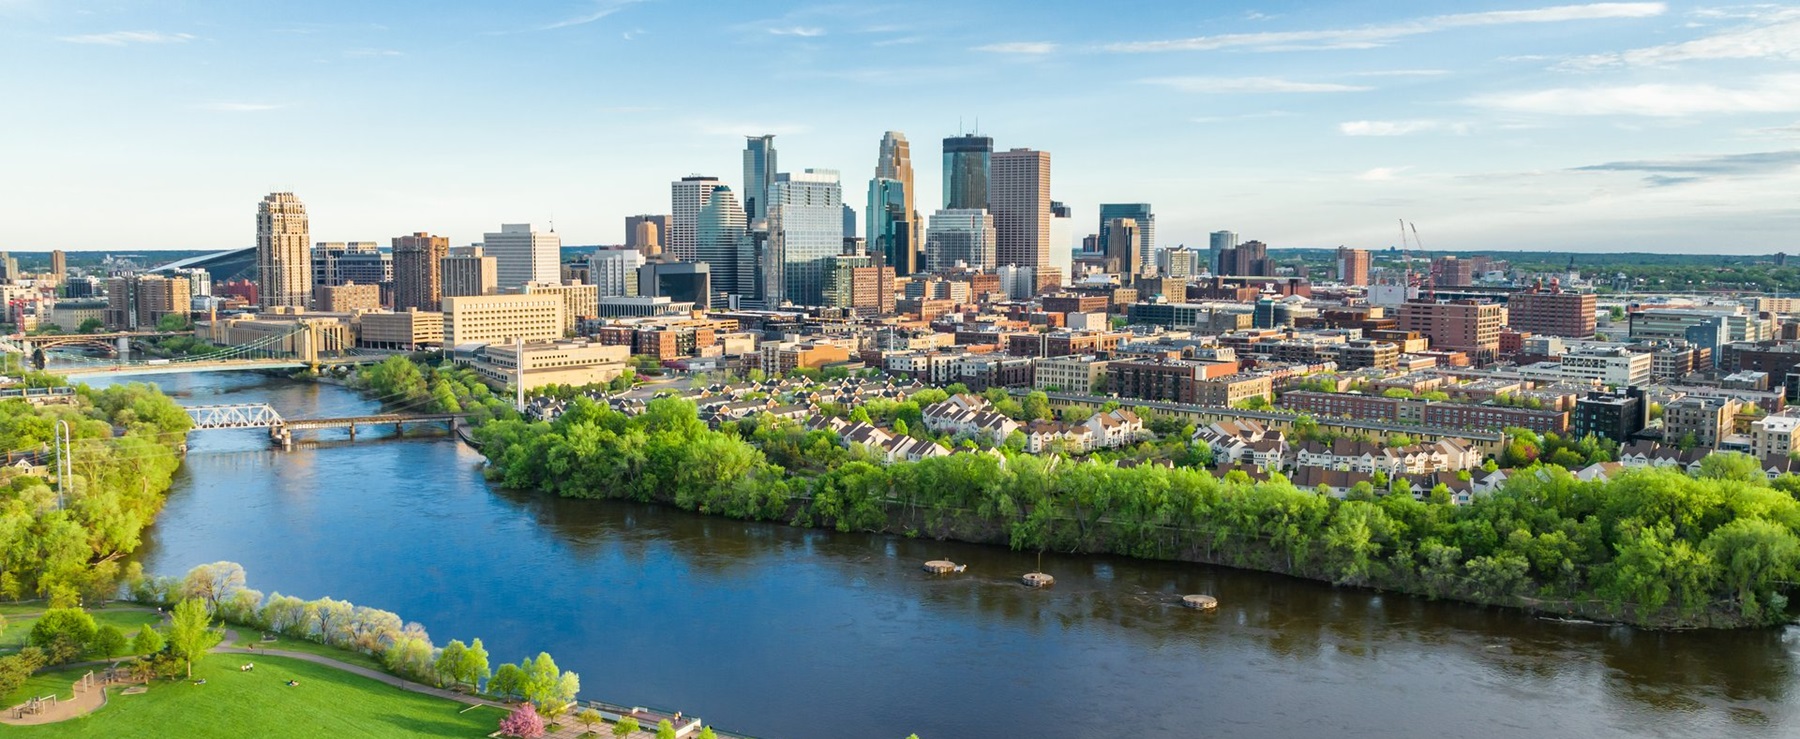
[1600, 127]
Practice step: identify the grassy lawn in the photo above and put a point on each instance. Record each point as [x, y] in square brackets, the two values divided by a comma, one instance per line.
[252, 638]
[60, 682]
[327, 702]
[17, 629]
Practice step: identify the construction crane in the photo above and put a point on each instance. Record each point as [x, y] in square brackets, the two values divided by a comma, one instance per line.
[1430, 284]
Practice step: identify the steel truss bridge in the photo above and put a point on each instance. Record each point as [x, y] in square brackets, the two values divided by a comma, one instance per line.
[281, 430]
[274, 351]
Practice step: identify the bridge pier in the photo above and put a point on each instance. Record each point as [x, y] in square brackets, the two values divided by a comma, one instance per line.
[353, 432]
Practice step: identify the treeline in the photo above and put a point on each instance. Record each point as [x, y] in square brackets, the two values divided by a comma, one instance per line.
[1650, 547]
[403, 383]
[125, 444]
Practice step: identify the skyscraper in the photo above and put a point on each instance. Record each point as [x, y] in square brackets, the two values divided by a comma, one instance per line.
[1220, 241]
[466, 271]
[1352, 266]
[1062, 241]
[966, 162]
[686, 197]
[523, 255]
[759, 176]
[1019, 198]
[806, 230]
[720, 242]
[418, 276]
[893, 229]
[646, 233]
[59, 266]
[1140, 212]
[1124, 249]
[960, 235]
[615, 271]
[283, 261]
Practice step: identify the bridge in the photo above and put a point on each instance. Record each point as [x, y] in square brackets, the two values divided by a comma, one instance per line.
[275, 351]
[106, 342]
[281, 430]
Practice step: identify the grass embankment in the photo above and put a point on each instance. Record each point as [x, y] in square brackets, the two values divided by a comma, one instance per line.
[260, 703]
[252, 640]
[18, 628]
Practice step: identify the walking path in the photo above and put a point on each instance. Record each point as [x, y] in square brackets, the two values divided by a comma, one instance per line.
[377, 675]
[86, 701]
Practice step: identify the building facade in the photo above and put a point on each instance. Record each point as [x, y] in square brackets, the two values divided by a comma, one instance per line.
[967, 163]
[283, 264]
[966, 236]
[487, 319]
[523, 255]
[418, 271]
[1019, 201]
[466, 272]
[806, 229]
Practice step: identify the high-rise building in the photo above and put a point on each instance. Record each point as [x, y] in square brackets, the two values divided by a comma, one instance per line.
[894, 232]
[1124, 249]
[759, 175]
[136, 301]
[1462, 325]
[686, 197]
[59, 265]
[488, 319]
[615, 271]
[361, 262]
[468, 272]
[960, 235]
[524, 255]
[1062, 241]
[1139, 212]
[1553, 313]
[283, 265]
[1217, 243]
[721, 242]
[646, 233]
[418, 271]
[1178, 262]
[857, 281]
[579, 301]
[1353, 266]
[1019, 199]
[966, 165]
[1250, 259]
[681, 282]
[806, 229]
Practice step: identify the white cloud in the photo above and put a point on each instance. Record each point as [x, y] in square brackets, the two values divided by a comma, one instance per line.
[1382, 174]
[242, 107]
[1247, 84]
[122, 38]
[1020, 47]
[1402, 73]
[1778, 93]
[602, 9]
[374, 52]
[1368, 37]
[1775, 35]
[1387, 128]
[801, 31]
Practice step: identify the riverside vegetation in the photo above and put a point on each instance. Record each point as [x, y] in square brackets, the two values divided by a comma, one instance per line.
[1650, 547]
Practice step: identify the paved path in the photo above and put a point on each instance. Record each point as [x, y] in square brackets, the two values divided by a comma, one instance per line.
[377, 675]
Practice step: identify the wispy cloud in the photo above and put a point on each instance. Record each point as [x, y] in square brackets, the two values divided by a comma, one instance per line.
[1778, 93]
[1247, 84]
[1774, 34]
[633, 34]
[124, 38]
[1402, 73]
[374, 52]
[1667, 172]
[1020, 47]
[1372, 36]
[1389, 128]
[1242, 116]
[600, 9]
[801, 31]
[1382, 174]
[242, 107]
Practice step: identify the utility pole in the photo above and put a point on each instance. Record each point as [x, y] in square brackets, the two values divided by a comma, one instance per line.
[65, 462]
[519, 374]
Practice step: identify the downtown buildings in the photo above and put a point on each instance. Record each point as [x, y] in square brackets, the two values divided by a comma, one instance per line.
[283, 262]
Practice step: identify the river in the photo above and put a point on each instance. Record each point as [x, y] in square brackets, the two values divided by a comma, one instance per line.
[784, 632]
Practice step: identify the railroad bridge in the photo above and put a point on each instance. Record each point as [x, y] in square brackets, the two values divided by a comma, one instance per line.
[281, 430]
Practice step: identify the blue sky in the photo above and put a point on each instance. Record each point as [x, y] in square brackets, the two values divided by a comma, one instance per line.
[1491, 125]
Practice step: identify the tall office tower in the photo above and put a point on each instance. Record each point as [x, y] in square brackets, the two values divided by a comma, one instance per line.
[615, 271]
[9, 267]
[1140, 212]
[721, 243]
[140, 301]
[283, 263]
[1220, 241]
[1019, 198]
[646, 233]
[1352, 266]
[1177, 262]
[524, 255]
[849, 223]
[966, 166]
[1124, 249]
[894, 231]
[759, 176]
[686, 197]
[468, 272]
[806, 229]
[59, 265]
[361, 262]
[199, 280]
[964, 235]
[418, 271]
[1062, 241]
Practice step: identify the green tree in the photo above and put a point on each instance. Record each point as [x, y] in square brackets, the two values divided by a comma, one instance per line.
[109, 641]
[508, 681]
[175, 322]
[147, 641]
[63, 633]
[588, 718]
[449, 662]
[1755, 557]
[708, 733]
[474, 667]
[1036, 406]
[1732, 466]
[90, 325]
[626, 726]
[191, 632]
[665, 729]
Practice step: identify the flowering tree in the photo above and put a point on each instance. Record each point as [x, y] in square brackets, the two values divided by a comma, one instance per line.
[524, 722]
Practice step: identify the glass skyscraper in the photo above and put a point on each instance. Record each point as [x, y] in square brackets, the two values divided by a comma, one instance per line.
[960, 235]
[759, 175]
[891, 231]
[719, 241]
[1140, 212]
[967, 159]
[806, 231]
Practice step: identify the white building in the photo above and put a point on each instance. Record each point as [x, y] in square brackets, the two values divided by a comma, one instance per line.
[615, 271]
[686, 197]
[522, 255]
[1611, 366]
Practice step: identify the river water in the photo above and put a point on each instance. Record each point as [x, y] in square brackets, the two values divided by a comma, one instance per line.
[784, 632]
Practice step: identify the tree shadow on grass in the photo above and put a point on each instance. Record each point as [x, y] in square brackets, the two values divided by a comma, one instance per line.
[416, 726]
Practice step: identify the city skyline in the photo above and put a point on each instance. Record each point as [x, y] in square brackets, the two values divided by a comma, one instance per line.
[1628, 126]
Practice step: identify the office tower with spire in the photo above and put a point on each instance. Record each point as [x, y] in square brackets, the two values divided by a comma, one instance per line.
[1138, 212]
[1019, 199]
[283, 252]
[646, 233]
[686, 197]
[721, 242]
[523, 255]
[963, 235]
[806, 232]
[759, 175]
[967, 159]
[894, 230]
[418, 276]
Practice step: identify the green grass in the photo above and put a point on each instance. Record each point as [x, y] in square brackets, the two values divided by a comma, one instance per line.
[328, 702]
[252, 638]
[61, 682]
[17, 629]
